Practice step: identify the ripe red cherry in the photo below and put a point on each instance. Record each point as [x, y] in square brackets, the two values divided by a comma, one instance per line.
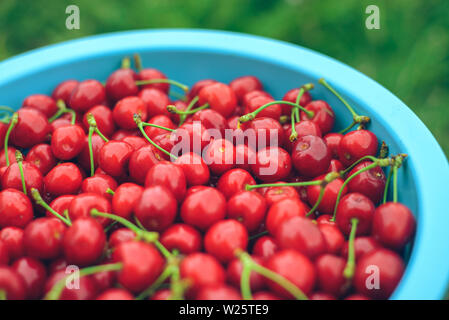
[115, 294]
[262, 132]
[310, 156]
[335, 166]
[121, 83]
[245, 84]
[169, 175]
[284, 210]
[156, 102]
[42, 157]
[252, 94]
[329, 198]
[219, 292]
[125, 198]
[272, 164]
[234, 274]
[196, 88]
[114, 157]
[329, 269]
[12, 284]
[4, 254]
[333, 237]
[60, 204]
[103, 118]
[355, 206]
[291, 96]
[244, 157]
[211, 119]
[41, 102]
[191, 136]
[64, 90]
[275, 194]
[362, 246]
[333, 142]
[63, 179]
[219, 155]
[370, 183]
[135, 142]
[84, 156]
[203, 208]
[301, 234]
[220, 98]
[84, 242]
[12, 239]
[31, 129]
[162, 294]
[43, 238]
[11, 156]
[303, 128]
[183, 238]
[120, 235]
[16, 209]
[160, 120]
[33, 273]
[234, 181]
[67, 142]
[195, 169]
[293, 266]
[152, 74]
[142, 264]
[393, 225]
[274, 111]
[249, 208]
[265, 247]
[141, 161]
[86, 94]
[11, 178]
[125, 109]
[324, 116]
[82, 205]
[355, 145]
[157, 207]
[390, 269]
[99, 184]
[85, 291]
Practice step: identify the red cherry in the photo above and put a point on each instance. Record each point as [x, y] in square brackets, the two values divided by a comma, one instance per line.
[64, 90]
[191, 136]
[274, 111]
[355, 145]
[272, 164]
[245, 84]
[41, 102]
[82, 205]
[125, 198]
[12, 239]
[249, 208]
[183, 238]
[321, 296]
[181, 106]
[84, 156]
[333, 237]
[16, 209]
[252, 94]
[119, 236]
[393, 225]
[234, 181]
[115, 294]
[283, 210]
[329, 198]
[291, 96]
[67, 142]
[355, 206]
[87, 94]
[265, 295]
[103, 118]
[263, 132]
[370, 183]
[142, 264]
[65, 178]
[324, 116]
[12, 284]
[4, 254]
[162, 294]
[335, 166]
[244, 157]
[195, 169]
[99, 184]
[42, 157]
[86, 289]
[11, 156]
[11, 178]
[330, 277]
[169, 175]
[234, 274]
[141, 161]
[157, 207]
[293, 266]
[333, 142]
[362, 246]
[121, 83]
[390, 268]
[219, 292]
[275, 194]
[203, 208]
[33, 273]
[219, 155]
[31, 129]
[310, 156]
[303, 128]
[196, 88]
[135, 142]
[125, 109]
[114, 157]
[152, 74]
[104, 280]
[43, 238]
[211, 119]
[121, 134]
[156, 102]
[60, 204]
[265, 247]
[160, 120]
[220, 98]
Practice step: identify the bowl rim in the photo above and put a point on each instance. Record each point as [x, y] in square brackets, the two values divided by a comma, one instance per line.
[427, 272]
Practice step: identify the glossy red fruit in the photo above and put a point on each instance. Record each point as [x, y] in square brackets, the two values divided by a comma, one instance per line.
[324, 116]
[12, 284]
[4, 254]
[262, 132]
[42, 157]
[67, 142]
[234, 181]
[244, 157]
[362, 246]
[63, 179]
[120, 235]
[310, 156]
[103, 118]
[301, 234]
[333, 142]
[321, 296]
[64, 90]
[124, 110]
[272, 164]
[86, 289]
[195, 169]
[82, 205]
[274, 111]
[104, 280]
[284, 210]
[355, 145]
[12, 239]
[99, 184]
[84, 156]
[183, 238]
[393, 225]
[234, 274]
[329, 198]
[265, 247]
[169, 175]
[86, 94]
[335, 166]
[153, 74]
[115, 294]
[156, 102]
[291, 96]
[196, 88]
[60, 204]
[275, 194]
[11, 178]
[219, 292]
[329, 269]
[11, 156]
[125, 198]
[16, 209]
[295, 267]
[219, 155]
[203, 208]
[212, 120]
[358, 206]
[249, 208]
[160, 120]
[142, 264]
[31, 129]
[121, 83]
[114, 157]
[220, 98]
[390, 268]
[33, 273]
[333, 238]
[245, 84]
[43, 238]
[162, 294]
[303, 128]
[157, 207]
[191, 137]
[141, 161]
[370, 183]
[41, 102]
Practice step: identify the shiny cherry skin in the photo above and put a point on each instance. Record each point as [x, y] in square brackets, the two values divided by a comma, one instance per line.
[142, 264]
[329, 270]
[355, 145]
[301, 234]
[252, 94]
[197, 86]
[293, 266]
[11, 178]
[84, 156]
[195, 169]
[211, 119]
[121, 83]
[265, 247]
[247, 207]
[324, 116]
[370, 183]
[114, 157]
[63, 179]
[12, 239]
[203, 208]
[115, 294]
[152, 74]
[358, 206]
[275, 194]
[135, 142]
[362, 246]
[234, 274]
[120, 134]
[4, 254]
[120, 235]
[43, 238]
[160, 120]
[99, 184]
[390, 266]
[332, 140]
[11, 156]
[157, 208]
[272, 164]
[393, 225]
[263, 132]
[34, 275]
[329, 199]
[104, 280]
[124, 110]
[67, 142]
[125, 198]
[16, 209]
[191, 137]
[60, 204]
[12, 284]
[303, 128]
[274, 111]
[41, 102]
[284, 210]
[244, 157]
[141, 161]
[86, 94]
[335, 166]
[169, 175]
[310, 156]
[103, 118]
[220, 98]
[245, 84]
[234, 181]
[64, 90]
[32, 128]
[333, 238]
[156, 102]
[183, 238]
[291, 96]
[219, 155]
[42, 157]
[85, 291]
[219, 292]
[82, 205]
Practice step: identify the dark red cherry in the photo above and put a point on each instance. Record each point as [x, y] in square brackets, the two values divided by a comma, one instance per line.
[160, 120]
[275, 194]
[33, 273]
[333, 142]
[355, 206]
[218, 292]
[135, 142]
[86, 94]
[161, 294]
[195, 169]
[121, 83]
[335, 166]
[41, 102]
[333, 237]
[153, 74]
[67, 142]
[196, 88]
[60, 204]
[82, 205]
[64, 90]
[244, 157]
[120, 235]
[84, 290]
[11, 156]
[329, 198]
[234, 181]
[181, 106]
[245, 84]
[219, 155]
[115, 294]
[283, 210]
[99, 184]
[183, 238]
[121, 134]
[169, 175]
[249, 208]
[191, 137]
[141, 161]
[252, 94]
[362, 246]
[43, 238]
[16, 209]
[272, 164]
[103, 118]
[212, 119]
[42, 157]
[125, 109]
[31, 129]
[355, 145]
[303, 128]
[265, 295]
[4, 254]
[220, 98]
[114, 157]
[125, 198]
[324, 116]
[310, 156]
[263, 132]
[234, 274]
[11, 178]
[329, 270]
[156, 102]
[291, 96]
[12, 284]
[63, 179]
[12, 239]
[274, 111]
[84, 156]
[265, 247]
[370, 183]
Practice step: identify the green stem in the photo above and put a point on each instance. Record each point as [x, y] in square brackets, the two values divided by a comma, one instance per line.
[110, 191]
[19, 160]
[126, 63]
[8, 109]
[3, 296]
[97, 131]
[387, 184]
[395, 183]
[245, 285]
[318, 201]
[171, 108]
[146, 124]
[348, 128]
[138, 62]
[91, 151]
[169, 81]
[156, 284]
[177, 95]
[250, 116]
[294, 134]
[38, 199]
[373, 159]
[62, 108]
[183, 117]
[348, 272]
[14, 120]
[250, 187]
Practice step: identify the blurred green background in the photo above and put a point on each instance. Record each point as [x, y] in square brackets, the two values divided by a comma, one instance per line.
[409, 54]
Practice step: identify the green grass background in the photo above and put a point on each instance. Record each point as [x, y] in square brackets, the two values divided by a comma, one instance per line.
[409, 54]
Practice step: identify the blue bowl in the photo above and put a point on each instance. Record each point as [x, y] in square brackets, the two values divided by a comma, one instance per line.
[191, 55]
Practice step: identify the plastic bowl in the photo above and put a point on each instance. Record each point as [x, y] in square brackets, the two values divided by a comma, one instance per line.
[190, 55]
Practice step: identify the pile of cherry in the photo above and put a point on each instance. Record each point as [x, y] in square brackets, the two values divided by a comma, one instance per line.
[96, 203]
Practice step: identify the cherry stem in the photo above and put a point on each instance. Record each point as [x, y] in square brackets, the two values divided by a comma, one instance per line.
[91, 151]
[348, 272]
[146, 124]
[126, 63]
[245, 285]
[294, 134]
[110, 191]
[283, 119]
[14, 120]
[169, 81]
[183, 117]
[62, 108]
[8, 109]
[250, 116]
[304, 88]
[139, 124]
[156, 284]
[258, 235]
[167, 254]
[384, 150]
[57, 289]
[138, 61]
[93, 123]
[177, 95]
[395, 183]
[3, 296]
[19, 160]
[172, 109]
[318, 201]
[387, 184]
[373, 159]
[38, 199]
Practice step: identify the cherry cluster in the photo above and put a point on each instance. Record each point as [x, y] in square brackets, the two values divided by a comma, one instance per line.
[263, 202]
